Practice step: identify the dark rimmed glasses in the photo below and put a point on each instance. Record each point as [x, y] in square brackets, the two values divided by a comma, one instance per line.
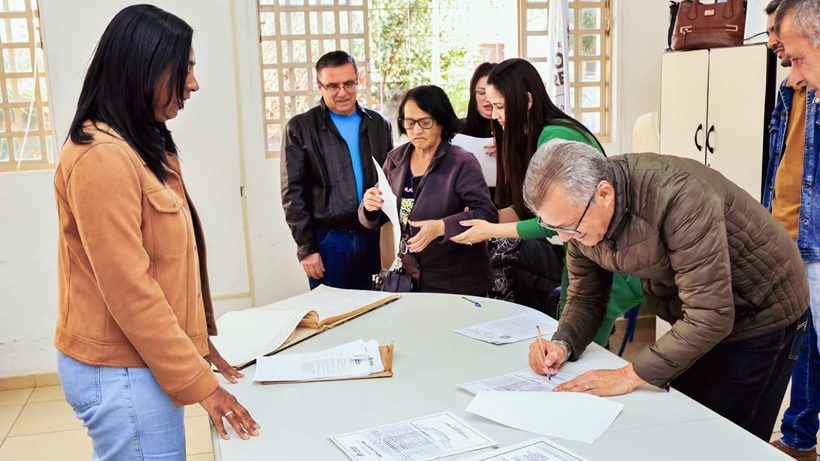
[569, 230]
[425, 123]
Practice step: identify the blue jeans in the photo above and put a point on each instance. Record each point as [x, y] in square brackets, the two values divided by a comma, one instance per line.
[128, 416]
[744, 381]
[800, 422]
[350, 258]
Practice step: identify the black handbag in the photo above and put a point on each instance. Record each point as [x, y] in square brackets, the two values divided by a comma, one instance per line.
[392, 281]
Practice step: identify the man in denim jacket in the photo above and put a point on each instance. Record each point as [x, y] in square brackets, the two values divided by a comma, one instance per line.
[792, 197]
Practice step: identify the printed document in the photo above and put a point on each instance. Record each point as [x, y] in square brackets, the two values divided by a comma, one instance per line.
[390, 206]
[569, 415]
[354, 359]
[477, 147]
[540, 449]
[511, 329]
[429, 437]
[521, 380]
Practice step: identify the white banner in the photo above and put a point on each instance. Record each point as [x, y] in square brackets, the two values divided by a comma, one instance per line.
[558, 80]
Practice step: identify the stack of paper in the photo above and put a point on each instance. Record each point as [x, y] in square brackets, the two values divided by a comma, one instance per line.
[354, 359]
[512, 329]
[244, 335]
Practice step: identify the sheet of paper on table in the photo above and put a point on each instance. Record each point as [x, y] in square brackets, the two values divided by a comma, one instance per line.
[511, 329]
[356, 358]
[420, 439]
[477, 147]
[569, 415]
[522, 380]
[540, 449]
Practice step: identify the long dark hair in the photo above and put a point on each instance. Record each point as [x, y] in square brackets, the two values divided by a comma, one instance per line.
[434, 101]
[475, 124]
[137, 47]
[514, 78]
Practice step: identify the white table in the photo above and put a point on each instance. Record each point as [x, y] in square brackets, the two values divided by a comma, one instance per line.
[429, 362]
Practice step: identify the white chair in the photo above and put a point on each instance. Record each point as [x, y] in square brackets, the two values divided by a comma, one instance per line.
[646, 133]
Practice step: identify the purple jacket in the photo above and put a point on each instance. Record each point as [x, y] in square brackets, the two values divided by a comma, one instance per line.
[453, 182]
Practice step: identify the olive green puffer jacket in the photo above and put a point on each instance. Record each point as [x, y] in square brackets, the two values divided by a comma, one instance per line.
[713, 262]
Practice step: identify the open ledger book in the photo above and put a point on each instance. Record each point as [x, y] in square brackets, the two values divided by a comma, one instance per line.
[247, 334]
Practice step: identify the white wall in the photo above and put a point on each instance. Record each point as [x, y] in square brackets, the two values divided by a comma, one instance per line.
[222, 142]
[221, 127]
[640, 39]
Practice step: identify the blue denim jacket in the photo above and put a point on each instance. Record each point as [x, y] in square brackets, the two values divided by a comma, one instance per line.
[808, 230]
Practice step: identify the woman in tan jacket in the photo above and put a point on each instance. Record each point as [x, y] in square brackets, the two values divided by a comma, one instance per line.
[135, 307]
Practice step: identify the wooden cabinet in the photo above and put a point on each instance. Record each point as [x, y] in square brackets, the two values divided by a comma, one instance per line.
[715, 108]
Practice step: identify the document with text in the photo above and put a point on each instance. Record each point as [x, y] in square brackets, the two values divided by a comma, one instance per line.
[421, 439]
[353, 359]
[521, 380]
[511, 329]
[540, 449]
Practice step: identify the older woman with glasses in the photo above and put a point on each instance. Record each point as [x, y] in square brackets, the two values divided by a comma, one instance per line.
[438, 185]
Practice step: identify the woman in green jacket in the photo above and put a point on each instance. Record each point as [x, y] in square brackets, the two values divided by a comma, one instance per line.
[524, 111]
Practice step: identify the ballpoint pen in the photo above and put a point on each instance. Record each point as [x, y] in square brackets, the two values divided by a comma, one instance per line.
[543, 352]
[475, 303]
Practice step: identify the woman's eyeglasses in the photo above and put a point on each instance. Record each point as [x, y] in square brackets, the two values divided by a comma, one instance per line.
[425, 123]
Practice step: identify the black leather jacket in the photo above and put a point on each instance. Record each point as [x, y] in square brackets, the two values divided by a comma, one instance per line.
[318, 186]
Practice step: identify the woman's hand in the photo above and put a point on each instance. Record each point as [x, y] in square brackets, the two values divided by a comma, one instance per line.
[372, 199]
[479, 231]
[490, 148]
[428, 231]
[215, 358]
[221, 404]
[604, 382]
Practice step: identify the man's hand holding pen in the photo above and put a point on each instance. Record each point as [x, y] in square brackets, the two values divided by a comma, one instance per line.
[550, 360]
[546, 357]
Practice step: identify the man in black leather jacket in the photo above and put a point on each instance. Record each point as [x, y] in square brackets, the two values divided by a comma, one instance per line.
[327, 163]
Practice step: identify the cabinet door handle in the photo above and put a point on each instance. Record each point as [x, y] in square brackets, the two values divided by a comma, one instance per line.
[709, 146]
[697, 131]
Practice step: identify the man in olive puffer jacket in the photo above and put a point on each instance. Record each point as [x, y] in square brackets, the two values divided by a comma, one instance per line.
[713, 262]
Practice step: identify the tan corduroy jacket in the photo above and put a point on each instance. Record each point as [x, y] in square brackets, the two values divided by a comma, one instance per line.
[133, 285]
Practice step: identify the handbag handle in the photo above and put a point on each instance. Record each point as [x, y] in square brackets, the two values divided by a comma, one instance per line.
[728, 9]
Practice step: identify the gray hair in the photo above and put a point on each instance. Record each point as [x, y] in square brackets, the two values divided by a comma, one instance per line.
[578, 167]
[805, 19]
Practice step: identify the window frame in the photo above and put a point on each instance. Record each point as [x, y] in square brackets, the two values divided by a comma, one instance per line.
[576, 60]
[44, 119]
[278, 8]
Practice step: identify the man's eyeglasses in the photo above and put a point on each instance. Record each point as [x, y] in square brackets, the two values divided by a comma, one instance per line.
[425, 123]
[334, 87]
[569, 230]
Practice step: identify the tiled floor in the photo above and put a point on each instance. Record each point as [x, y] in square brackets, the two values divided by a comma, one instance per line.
[37, 424]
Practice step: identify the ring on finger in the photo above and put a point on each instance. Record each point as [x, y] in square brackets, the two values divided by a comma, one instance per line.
[586, 387]
[230, 412]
